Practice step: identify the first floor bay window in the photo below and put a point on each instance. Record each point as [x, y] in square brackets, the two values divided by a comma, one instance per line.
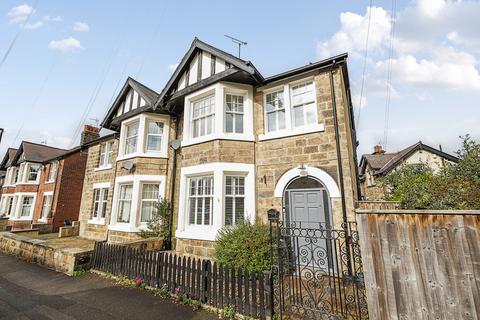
[203, 116]
[150, 198]
[200, 200]
[234, 113]
[234, 199]
[154, 136]
[131, 138]
[26, 206]
[124, 203]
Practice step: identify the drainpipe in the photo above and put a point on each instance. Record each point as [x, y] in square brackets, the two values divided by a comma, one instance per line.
[168, 243]
[337, 143]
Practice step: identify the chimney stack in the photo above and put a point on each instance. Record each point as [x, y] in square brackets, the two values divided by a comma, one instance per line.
[89, 133]
[378, 149]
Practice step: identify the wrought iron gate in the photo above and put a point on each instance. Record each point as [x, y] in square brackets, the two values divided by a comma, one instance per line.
[317, 271]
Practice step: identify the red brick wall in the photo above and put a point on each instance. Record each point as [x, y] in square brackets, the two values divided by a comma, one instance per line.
[68, 196]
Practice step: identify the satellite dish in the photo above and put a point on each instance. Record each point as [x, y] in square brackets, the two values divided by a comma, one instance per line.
[175, 144]
[128, 165]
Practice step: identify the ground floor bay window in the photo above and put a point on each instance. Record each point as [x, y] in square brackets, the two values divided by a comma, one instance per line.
[212, 196]
[134, 201]
[24, 204]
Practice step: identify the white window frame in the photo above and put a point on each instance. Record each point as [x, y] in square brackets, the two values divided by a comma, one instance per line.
[290, 129]
[218, 170]
[109, 146]
[142, 136]
[46, 194]
[234, 113]
[102, 186]
[142, 201]
[204, 118]
[234, 196]
[19, 204]
[196, 197]
[53, 169]
[162, 135]
[314, 102]
[24, 173]
[220, 90]
[134, 225]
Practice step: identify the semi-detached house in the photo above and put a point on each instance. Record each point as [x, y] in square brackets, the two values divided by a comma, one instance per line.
[224, 144]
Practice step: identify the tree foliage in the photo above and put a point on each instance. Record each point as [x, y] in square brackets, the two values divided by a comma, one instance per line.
[245, 246]
[455, 186]
[159, 225]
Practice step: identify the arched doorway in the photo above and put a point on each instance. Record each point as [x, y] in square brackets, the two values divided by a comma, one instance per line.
[307, 204]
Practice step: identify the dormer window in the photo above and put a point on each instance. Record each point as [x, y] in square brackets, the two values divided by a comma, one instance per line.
[131, 138]
[203, 116]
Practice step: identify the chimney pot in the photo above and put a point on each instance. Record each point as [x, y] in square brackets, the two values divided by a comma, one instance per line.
[89, 133]
[378, 149]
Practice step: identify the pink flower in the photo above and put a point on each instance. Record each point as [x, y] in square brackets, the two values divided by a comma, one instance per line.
[177, 290]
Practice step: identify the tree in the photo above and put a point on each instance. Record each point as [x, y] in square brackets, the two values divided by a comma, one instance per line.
[456, 186]
[159, 224]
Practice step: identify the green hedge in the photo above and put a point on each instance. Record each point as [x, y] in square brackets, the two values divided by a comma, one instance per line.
[245, 246]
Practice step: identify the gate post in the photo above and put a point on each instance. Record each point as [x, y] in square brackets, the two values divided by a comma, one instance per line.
[274, 219]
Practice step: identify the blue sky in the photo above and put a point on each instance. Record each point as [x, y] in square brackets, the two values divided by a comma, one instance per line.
[66, 49]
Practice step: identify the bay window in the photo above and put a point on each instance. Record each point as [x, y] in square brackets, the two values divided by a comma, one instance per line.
[124, 203]
[234, 113]
[275, 111]
[203, 116]
[303, 104]
[154, 135]
[234, 199]
[131, 138]
[26, 206]
[33, 170]
[200, 200]
[150, 198]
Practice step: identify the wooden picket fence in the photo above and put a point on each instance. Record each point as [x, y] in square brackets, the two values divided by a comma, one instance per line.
[250, 293]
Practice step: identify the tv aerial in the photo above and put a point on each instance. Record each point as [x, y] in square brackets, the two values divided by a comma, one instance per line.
[237, 41]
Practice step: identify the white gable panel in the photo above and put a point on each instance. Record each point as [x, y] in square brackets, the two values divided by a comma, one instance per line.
[135, 100]
[127, 102]
[206, 65]
[181, 83]
[219, 65]
[193, 71]
[142, 102]
[120, 109]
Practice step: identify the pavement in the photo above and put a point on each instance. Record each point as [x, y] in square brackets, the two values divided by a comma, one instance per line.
[28, 291]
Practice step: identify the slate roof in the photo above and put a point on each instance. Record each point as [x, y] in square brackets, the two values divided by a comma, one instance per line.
[34, 152]
[8, 158]
[384, 163]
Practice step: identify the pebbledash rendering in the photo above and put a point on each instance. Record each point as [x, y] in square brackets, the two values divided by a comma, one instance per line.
[42, 188]
[223, 144]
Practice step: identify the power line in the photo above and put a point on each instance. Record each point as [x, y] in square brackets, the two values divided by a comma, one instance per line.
[364, 65]
[389, 76]
[14, 40]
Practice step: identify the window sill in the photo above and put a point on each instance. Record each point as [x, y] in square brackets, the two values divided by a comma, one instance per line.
[103, 168]
[50, 182]
[21, 219]
[207, 233]
[43, 220]
[31, 183]
[162, 155]
[293, 132]
[100, 221]
[124, 227]
[223, 136]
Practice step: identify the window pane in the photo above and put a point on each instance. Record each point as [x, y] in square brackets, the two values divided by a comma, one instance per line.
[155, 127]
[191, 219]
[272, 121]
[229, 122]
[281, 119]
[125, 202]
[207, 211]
[154, 143]
[239, 123]
[298, 115]
[228, 211]
[239, 209]
[311, 113]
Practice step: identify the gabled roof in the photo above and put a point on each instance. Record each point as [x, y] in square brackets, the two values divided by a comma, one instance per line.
[149, 95]
[8, 158]
[241, 65]
[383, 163]
[34, 152]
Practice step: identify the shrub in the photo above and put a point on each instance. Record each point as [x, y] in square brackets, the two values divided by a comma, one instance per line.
[245, 246]
[159, 225]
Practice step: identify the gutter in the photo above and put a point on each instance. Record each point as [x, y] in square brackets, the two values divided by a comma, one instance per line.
[337, 143]
[168, 243]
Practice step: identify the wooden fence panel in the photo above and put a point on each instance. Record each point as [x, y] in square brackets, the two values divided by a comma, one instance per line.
[421, 264]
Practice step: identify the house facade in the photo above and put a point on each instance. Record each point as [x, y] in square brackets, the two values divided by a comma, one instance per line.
[224, 144]
[380, 163]
[41, 186]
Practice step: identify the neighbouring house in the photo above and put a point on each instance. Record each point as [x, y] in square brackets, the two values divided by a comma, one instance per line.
[43, 185]
[380, 163]
[224, 144]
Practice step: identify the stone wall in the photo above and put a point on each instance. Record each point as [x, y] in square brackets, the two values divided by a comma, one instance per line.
[195, 248]
[375, 192]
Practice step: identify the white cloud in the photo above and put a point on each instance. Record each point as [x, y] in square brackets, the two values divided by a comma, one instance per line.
[353, 32]
[431, 8]
[65, 45]
[172, 67]
[81, 27]
[54, 19]
[33, 25]
[20, 13]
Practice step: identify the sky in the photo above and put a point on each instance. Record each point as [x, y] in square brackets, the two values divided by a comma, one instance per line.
[69, 59]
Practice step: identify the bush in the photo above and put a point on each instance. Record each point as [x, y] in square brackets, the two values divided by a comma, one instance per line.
[159, 225]
[245, 246]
